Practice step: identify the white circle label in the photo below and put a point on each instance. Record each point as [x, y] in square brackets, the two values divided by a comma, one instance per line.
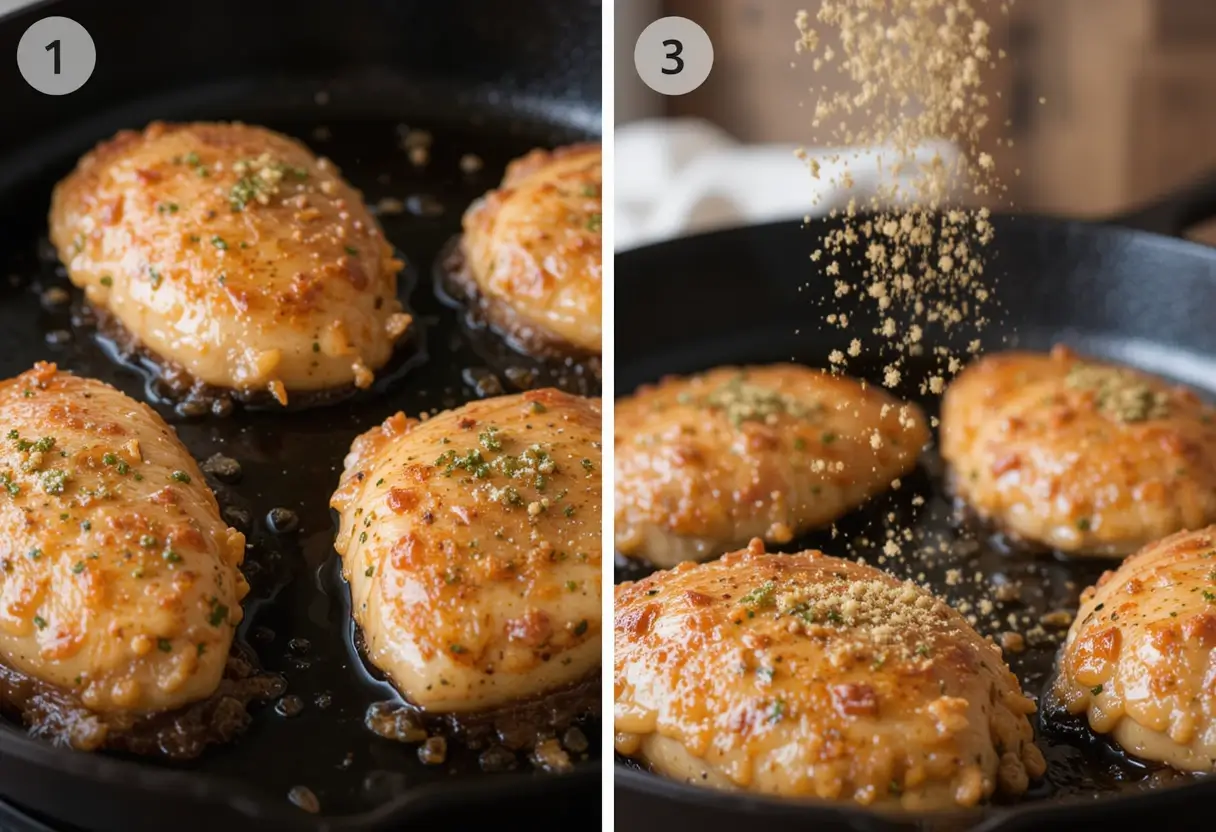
[673, 56]
[56, 55]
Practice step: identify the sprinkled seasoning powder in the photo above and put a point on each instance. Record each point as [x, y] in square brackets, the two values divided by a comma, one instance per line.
[911, 72]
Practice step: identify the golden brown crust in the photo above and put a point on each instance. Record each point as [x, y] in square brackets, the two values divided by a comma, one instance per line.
[234, 253]
[807, 675]
[471, 542]
[1140, 658]
[531, 255]
[1079, 455]
[706, 462]
[118, 581]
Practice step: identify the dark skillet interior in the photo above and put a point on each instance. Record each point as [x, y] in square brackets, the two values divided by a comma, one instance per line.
[1128, 295]
[519, 88]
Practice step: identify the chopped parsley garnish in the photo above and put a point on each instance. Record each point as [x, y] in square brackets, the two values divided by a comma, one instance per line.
[78, 567]
[1209, 596]
[761, 596]
[588, 466]
[1083, 524]
[778, 711]
[34, 554]
[242, 192]
[171, 556]
[595, 222]
[490, 440]
[39, 622]
[352, 251]
[1095, 690]
[457, 649]
[580, 627]
[164, 645]
[106, 280]
[219, 613]
[472, 461]
[219, 243]
[180, 476]
[371, 570]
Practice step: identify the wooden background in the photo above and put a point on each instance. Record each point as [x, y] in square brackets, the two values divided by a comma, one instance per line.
[1130, 89]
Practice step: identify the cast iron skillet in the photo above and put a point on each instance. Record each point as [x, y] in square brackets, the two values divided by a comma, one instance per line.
[486, 78]
[1143, 298]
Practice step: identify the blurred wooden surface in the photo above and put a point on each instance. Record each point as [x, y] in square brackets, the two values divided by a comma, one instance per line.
[1129, 89]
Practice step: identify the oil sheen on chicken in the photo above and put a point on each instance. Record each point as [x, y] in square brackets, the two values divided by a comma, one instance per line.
[471, 542]
[706, 462]
[232, 253]
[1140, 658]
[1079, 455]
[119, 583]
[810, 676]
[532, 251]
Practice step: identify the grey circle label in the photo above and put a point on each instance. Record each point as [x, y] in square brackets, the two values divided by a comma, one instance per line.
[673, 56]
[56, 55]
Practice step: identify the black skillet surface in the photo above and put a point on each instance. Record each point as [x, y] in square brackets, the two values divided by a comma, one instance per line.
[1141, 298]
[483, 79]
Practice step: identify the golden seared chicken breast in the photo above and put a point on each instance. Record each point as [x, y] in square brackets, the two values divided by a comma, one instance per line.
[119, 583]
[232, 254]
[1082, 456]
[1140, 658]
[531, 258]
[471, 542]
[811, 676]
[705, 463]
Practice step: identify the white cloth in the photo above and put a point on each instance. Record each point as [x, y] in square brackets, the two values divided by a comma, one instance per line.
[683, 176]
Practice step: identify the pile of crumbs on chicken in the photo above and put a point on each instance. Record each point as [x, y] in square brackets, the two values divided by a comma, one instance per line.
[1119, 392]
[259, 180]
[885, 612]
[742, 402]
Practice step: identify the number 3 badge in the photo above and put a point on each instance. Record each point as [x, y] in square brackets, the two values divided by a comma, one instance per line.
[673, 56]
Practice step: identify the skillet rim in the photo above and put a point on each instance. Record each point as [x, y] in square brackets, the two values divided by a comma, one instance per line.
[987, 817]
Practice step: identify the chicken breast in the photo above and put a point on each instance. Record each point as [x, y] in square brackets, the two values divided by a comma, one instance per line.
[531, 254]
[233, 254]
[119, 583]
[471, 542]
[1082, 456]
[707, 462]
[1140, 658]
[811, 676]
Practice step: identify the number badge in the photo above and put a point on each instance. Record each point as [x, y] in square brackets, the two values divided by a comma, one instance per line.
[673, 56]
[56, 55]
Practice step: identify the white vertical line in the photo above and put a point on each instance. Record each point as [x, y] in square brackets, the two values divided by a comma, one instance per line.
[608, 362]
